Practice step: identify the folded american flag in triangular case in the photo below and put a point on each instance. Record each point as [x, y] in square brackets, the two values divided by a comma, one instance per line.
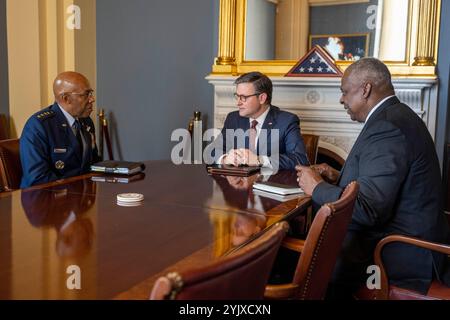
[316, 63]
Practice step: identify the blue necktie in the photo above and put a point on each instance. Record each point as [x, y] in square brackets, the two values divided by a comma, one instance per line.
[77, 127]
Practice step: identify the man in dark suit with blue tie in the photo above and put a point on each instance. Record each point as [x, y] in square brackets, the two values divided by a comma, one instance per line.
[259, 133]
[59, 141]
[395, 162]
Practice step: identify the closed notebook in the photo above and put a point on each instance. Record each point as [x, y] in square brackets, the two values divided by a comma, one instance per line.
[228, 170]
[277, 188]
[275, 196]
[118, 167]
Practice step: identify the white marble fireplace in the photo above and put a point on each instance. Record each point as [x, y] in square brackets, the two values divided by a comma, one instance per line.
[316, 102]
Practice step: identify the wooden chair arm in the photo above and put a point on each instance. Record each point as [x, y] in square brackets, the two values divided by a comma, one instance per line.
[439, 247]
[383, 294]
[293, 244]
[280, 291]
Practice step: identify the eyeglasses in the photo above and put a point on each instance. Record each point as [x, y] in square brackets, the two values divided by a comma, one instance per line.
[243, 98]
[87, 94]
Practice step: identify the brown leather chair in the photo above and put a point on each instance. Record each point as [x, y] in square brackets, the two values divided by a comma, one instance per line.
[319, 252]
[437, 290]
[10, 166]
[3, 127]
[240, 275]
[311, 142]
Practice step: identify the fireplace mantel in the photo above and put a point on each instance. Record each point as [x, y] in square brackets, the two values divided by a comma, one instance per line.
[316, 102]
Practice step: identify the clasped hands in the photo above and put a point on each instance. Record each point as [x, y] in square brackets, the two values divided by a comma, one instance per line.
[238, 157]
[308, 177]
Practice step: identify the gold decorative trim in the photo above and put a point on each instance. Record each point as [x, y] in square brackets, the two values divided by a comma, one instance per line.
[227, 30]
[427, 33]
[318, 3]
[421, 52]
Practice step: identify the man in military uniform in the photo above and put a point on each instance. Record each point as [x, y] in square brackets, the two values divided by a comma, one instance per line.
[59, 141]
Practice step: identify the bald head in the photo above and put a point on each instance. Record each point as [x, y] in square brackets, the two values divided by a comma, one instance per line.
[74, 94]
[373, 71]
[68, 82]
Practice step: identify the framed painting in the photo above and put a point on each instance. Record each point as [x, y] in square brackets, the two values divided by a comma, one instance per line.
[343, 47]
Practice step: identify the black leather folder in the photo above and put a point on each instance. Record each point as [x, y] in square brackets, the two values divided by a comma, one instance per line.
[228, 170]
[118, 167]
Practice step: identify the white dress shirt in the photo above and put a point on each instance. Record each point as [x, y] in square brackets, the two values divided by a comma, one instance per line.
[265, 159]
[70, 119]
[376, 107]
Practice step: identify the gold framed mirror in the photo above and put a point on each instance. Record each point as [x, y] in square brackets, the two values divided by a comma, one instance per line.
[272, 35]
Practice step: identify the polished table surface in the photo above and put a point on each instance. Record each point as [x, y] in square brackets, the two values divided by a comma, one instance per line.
[187, 218]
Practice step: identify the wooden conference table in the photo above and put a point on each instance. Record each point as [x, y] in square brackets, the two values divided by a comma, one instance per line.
[187, 218]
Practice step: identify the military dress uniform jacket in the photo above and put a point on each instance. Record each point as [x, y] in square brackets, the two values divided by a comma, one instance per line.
[49, 150]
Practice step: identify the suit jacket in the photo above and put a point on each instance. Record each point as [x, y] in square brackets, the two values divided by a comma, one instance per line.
[395, 162]
[50, 151]
[291, 149]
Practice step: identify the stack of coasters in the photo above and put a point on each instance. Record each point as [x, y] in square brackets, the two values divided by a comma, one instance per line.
[130, 199]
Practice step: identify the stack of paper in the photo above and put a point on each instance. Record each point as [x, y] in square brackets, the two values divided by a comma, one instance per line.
[277, 188]
[274, 196]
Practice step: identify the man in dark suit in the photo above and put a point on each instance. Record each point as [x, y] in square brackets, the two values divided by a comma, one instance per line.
[259, 133]
[395, 162]
[59, 141]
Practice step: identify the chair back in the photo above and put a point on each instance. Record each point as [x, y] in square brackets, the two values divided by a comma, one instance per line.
[323, 245]
[311, 142]
[10, 166]
[3, 127]
[239, 275]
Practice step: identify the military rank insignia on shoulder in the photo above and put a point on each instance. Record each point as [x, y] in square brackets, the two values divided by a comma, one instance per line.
[45, 115]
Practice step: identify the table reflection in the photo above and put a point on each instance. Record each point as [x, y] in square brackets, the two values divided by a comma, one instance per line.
[63, 210]
[47, 230]
[237, 192]
[244, 226]
[252, 213]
